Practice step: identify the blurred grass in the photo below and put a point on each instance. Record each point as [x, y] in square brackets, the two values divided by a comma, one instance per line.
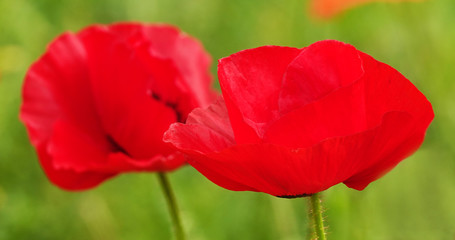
[414, 201]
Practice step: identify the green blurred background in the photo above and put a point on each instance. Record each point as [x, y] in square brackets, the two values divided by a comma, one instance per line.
[415, 201]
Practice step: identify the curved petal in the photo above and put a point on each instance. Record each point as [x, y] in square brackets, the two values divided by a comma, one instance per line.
[66, 178]
[120, 162]
[401, 96]
[352, 109]
[354, 124]
[206, 130]
[193, 63]
[139, 132]
[98, 102]
[215, 174]
[318, 70]
[39, 110]
[73, 148]
[187, 55]
[153, 57]
[282, 171]
[388, 90]
[341, 113]
[250, 81]
[387, 159]
[56, 87]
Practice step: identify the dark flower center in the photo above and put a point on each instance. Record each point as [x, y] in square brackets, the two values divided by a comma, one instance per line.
[169, 104]
[295, 196]
[116, 146]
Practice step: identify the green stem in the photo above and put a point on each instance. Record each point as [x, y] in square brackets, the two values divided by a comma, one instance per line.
[172, 204]
[316, 212]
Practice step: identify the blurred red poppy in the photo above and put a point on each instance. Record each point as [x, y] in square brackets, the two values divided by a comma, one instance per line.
[330, 8]
[97, 103]
[293, 122]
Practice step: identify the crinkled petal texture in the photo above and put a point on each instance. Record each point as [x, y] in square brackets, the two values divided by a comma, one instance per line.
[329, 114]
[330, 8]
[97, 103]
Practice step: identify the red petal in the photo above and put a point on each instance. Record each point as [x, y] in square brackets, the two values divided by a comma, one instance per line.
[250, 81]
[388, 90]
[352, 109]
[283, 171]
[56, 87]
[392, 142]
[215, 173]
[401, 96]
[318, 70]
[73, 148]
[212, 126]
[193, 62]
[135, 121]
[353, 133]
[158, 163]
[153, 56]
[66, 178]
[206, 131]
[119, 128]
[341, 113]
[186, 54]
[79, 151]
[386, 160]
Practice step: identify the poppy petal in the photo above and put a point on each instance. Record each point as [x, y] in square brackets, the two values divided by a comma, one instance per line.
[55, 87]
[192, 62]
[123, 163]
[321, 68]
[98, 102]
[386, 160]
[399, 94]
[73, 148]
[250, 82]
[300, 171]
[69, 179]
[211, 123]
[341, 113]
[386, 89]
[78, 151]
[124, 119]
[341, 116]
[352, 109]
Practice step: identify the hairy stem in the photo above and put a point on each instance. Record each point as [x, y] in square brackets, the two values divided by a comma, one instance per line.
[316, 212]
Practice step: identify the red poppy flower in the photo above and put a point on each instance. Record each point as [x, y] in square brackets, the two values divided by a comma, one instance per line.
[330, 8]
[97, 103]
[293, 122]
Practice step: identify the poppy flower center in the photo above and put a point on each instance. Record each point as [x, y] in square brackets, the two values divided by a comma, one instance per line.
[170, 104]
[116, 146]
[295, 196]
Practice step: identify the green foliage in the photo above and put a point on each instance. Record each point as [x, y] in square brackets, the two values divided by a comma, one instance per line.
[414, 201]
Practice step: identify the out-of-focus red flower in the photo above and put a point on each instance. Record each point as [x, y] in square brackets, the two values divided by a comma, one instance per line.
[294, 122]
[97, 103]
[330, 8]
